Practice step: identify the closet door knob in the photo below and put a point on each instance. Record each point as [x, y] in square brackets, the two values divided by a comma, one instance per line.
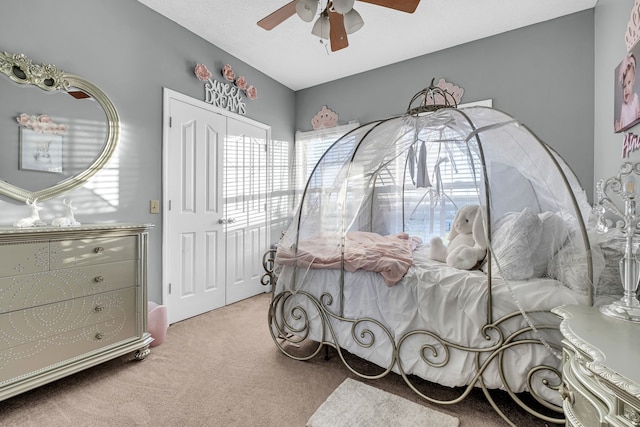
[99, 279]
[98, 308]
[99, 335]
[222, 221]
[99, 250]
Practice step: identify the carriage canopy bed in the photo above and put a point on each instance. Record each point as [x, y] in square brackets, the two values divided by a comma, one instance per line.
[354, 270]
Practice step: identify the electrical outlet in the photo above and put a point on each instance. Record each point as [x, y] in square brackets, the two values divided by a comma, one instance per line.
[154, 206]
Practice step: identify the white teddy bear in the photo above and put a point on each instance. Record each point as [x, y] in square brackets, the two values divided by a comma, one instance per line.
[468, 244]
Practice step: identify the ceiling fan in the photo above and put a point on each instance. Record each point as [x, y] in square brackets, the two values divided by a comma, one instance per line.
[338, 19]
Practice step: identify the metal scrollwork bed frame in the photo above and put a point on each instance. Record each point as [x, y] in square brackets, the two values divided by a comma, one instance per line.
[367, 181]
[365, 331]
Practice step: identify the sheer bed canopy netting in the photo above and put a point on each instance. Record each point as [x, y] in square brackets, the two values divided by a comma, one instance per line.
[413, 173]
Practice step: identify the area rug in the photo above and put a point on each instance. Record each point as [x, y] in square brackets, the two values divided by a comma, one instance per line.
[355, 404]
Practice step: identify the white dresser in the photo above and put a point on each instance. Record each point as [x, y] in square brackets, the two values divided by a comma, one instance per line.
[601, 368]
[70, 298]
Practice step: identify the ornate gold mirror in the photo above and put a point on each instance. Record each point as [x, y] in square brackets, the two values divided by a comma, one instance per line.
[57, 130]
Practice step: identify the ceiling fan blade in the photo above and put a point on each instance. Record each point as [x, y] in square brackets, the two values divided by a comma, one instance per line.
[408, 6]
[337, 32]
[271, 21]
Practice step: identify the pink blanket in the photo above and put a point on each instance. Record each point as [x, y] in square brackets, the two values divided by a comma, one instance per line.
[391, 255]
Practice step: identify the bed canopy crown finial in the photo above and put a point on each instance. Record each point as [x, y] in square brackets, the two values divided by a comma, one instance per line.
[435, 97]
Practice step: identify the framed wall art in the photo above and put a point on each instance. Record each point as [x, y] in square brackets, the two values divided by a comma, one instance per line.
[40, 151]
[40, 143]
[627, 89]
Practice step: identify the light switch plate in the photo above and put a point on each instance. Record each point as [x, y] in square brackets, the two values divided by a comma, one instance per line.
[154, 206]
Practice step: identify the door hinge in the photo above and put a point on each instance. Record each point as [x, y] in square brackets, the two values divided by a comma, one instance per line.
[169, 288]
[170, 121]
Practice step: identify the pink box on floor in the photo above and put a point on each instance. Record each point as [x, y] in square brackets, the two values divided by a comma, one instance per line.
[157, 322]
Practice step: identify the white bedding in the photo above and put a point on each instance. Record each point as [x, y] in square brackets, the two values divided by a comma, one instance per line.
[448, 302]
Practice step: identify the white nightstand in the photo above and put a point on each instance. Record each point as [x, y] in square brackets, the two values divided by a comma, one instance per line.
[601, 368]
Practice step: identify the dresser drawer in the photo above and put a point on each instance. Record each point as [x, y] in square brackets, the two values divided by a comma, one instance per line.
[23, 258]
[581, 410]
[32, 290]
[33, 257]
[33, 358]
[38, 327]
[70, 298]
[625, 408]
[585, 400]
[79, 252]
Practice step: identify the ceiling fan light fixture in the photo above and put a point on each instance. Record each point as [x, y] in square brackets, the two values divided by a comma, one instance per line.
[321, 27]
[352, 21]
[306, 9]
[343, 6]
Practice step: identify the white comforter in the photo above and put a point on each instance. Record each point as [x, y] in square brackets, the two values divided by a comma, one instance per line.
[448, 302]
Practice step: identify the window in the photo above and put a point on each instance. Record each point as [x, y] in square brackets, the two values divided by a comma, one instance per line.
[309, 148]
[281, 191]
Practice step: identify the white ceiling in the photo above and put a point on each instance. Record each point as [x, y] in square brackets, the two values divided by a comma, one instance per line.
[291, 55]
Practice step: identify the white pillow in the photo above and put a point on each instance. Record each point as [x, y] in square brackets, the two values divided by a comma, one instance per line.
[569, 265]
[516, 236]
[554, 233]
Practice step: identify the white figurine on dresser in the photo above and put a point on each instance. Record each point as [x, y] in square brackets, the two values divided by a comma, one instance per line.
[600, 373]
[32, 220]
[69, 220]
[70, 298]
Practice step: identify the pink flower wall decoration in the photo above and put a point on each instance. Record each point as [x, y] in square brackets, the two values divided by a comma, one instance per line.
[241, 82]
[228, 73]
[41, 124]
[202, 73]
[251, 92]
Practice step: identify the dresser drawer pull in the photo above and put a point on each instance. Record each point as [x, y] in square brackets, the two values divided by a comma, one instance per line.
[99, 250]
[99, 335]
[633, 416]
[99, 279]
[98, 308]
[566, 394]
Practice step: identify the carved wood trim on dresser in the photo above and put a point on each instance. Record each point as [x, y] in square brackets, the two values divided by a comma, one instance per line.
[70, 298]
[601, 373]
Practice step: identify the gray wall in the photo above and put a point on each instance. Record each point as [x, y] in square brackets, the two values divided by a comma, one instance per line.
[131, 53]
[611, 20]
[542, 75]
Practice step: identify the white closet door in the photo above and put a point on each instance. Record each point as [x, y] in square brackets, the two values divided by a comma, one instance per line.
[215, 217]
[245, 200]
[194, 240]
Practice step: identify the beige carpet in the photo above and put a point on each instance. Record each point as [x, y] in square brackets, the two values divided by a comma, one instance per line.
[355, 404]
[219, 369]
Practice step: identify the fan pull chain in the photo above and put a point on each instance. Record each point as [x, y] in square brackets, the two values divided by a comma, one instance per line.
[322, 42]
